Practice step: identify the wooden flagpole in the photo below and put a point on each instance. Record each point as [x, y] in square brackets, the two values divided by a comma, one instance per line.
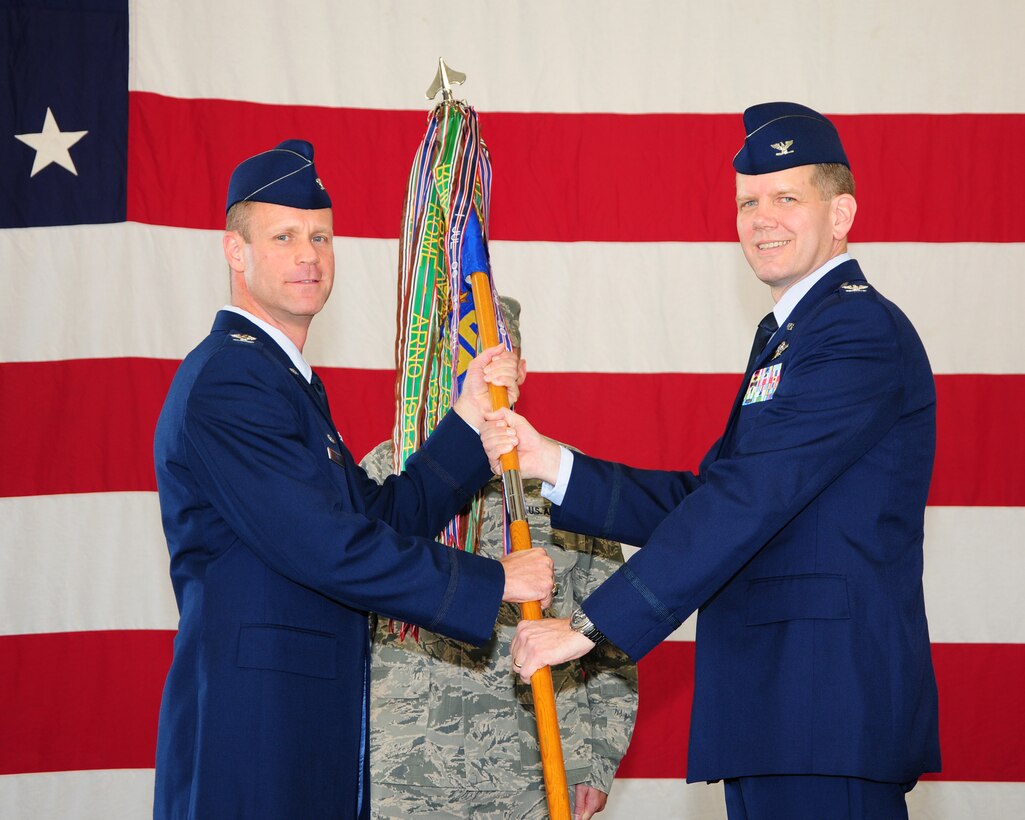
[556, 790]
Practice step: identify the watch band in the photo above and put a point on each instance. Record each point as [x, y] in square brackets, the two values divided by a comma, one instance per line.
[579, 622]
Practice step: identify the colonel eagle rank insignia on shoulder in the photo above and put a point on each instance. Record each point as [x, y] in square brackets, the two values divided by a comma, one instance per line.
[849, 288]
[243, 337]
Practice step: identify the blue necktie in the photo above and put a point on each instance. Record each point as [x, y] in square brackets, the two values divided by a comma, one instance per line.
[318, 388]
[766, 328]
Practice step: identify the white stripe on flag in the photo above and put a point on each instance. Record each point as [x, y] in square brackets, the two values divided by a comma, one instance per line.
[929, 800]
[589, 55]
[75, 563]
[585, 304]
[127, 794]
[124, 794]
[61, 582]
[973, 570]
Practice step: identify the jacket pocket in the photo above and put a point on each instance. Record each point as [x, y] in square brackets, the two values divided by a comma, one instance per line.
[288, 649]
[794, 597]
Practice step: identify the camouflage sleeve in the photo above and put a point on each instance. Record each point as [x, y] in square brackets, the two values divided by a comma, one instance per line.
[378, 462]
[611, 677]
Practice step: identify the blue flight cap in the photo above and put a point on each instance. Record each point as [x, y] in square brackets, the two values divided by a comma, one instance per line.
[284, 175]
[784, 135]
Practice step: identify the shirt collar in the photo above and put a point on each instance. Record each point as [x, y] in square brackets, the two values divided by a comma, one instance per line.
[283, 341]
[788, 301]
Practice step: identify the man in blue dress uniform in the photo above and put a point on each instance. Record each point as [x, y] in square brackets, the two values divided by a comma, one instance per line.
[280, 543]
[799, 540]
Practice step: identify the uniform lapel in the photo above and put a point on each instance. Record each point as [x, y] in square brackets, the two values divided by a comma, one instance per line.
[333, 448]
[228, 321]
[847, 272]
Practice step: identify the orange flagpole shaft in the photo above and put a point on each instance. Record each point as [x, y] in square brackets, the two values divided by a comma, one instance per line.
[556, 790]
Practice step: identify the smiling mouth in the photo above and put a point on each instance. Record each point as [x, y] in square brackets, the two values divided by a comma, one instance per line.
[768, 246]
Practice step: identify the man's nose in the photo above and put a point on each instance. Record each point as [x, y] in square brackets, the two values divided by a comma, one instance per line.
[307, 250]
[763, 216]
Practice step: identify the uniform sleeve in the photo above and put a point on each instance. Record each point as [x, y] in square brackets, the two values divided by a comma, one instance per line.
[611, 500]
[246, 447]
[833, 404]
[610, 675]
[437, 481]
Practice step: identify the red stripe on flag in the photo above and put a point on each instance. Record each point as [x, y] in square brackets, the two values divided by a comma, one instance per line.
[624, 417]
[665, 688]
[203, 141]
[80, 425]
[980, 448]
[594, 177]
[982, 712]
[89, 700]
[81, 700]
[93, 440]
[982, 716]
[86, 425]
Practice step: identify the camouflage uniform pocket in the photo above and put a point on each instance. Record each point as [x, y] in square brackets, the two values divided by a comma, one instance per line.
[399, 690]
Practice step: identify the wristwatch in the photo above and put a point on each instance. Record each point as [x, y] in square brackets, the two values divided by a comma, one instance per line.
[579, 622]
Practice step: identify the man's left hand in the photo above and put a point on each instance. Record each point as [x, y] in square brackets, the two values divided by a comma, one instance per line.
[545, 643]
[539, 456]
[589, 801]
[496, 365]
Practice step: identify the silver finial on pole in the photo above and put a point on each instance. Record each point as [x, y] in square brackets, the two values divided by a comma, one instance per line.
[444, 80]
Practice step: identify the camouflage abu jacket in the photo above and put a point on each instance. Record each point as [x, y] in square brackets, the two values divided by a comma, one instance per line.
[444, 714]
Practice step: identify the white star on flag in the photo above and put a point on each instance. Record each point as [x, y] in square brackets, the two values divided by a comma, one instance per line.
[51, 145]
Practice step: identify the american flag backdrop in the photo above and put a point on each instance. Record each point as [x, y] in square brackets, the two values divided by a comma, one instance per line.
[612, 126]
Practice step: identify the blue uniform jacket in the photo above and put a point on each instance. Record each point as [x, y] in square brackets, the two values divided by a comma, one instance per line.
[800, 543]
[279, 546]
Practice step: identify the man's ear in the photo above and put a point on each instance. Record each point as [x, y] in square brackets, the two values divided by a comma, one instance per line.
[234, 250]
[844, 209]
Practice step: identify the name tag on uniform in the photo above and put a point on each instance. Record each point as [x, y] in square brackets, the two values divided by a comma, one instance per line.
[763, 384]
[335, 456]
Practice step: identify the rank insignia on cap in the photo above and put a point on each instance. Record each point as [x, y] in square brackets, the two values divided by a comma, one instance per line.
[849, 288]
[781, 135]
[779, 350]
[243, 337]
[284, 175]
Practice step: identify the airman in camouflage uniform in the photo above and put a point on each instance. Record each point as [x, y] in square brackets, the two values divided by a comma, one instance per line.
[452, 729]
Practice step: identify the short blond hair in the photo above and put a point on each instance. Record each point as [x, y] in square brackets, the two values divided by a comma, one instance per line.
[833, 179]
[238, 219]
